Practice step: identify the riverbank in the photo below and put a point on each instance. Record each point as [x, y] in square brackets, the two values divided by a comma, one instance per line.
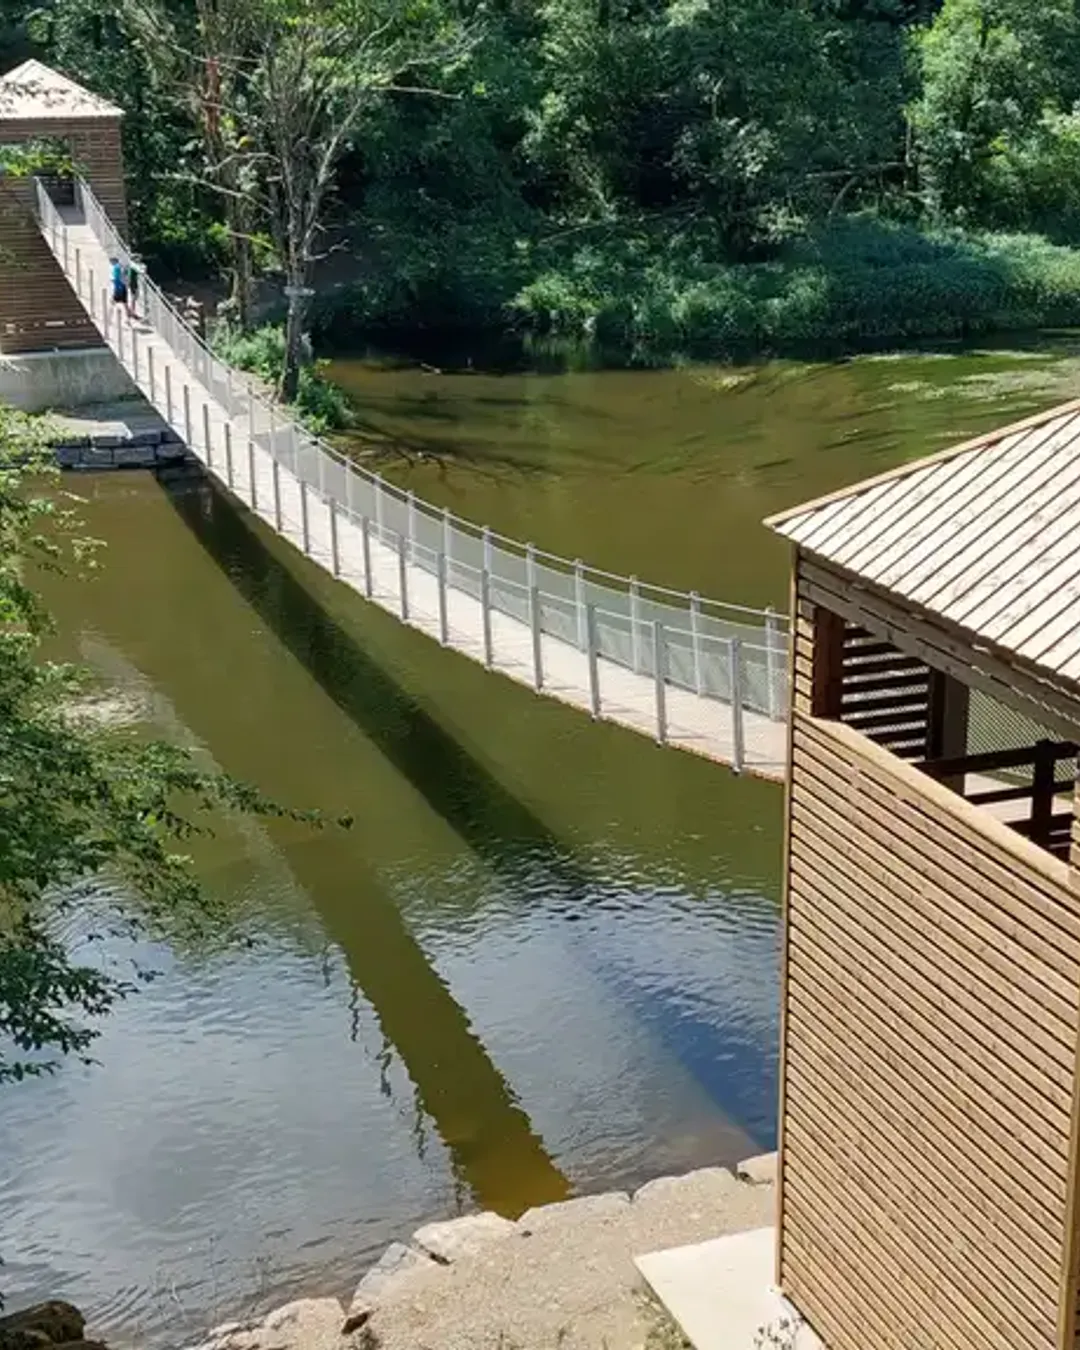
[658, 298]
[562, 1276]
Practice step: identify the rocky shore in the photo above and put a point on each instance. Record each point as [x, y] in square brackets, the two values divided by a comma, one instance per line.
[562, 1277]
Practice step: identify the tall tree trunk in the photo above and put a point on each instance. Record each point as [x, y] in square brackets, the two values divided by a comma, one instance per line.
[295, 322]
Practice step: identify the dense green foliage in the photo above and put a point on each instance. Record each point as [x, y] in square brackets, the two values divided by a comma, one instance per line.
[700, 174]
[320, 405]
[88, 810]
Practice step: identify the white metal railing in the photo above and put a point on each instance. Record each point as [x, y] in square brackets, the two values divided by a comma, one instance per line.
[728, 653]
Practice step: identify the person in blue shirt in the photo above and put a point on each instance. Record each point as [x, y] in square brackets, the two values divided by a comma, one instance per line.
[119, 285]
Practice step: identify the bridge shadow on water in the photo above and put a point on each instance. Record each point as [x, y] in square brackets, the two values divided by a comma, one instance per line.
[500, 828]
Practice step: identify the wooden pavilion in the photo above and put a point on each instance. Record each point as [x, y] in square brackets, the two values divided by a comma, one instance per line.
[930, 1095]
[38, 308]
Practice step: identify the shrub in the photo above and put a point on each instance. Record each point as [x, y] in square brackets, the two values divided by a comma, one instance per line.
[320, 405]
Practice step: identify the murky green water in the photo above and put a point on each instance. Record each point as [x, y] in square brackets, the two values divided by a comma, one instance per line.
[544, 958]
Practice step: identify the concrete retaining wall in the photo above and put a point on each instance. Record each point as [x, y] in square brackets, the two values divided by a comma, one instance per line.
[39, 381]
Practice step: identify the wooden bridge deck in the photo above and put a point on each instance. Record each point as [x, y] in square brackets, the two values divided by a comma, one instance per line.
[237, 454]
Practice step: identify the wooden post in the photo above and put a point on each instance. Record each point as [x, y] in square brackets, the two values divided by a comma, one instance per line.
[444, 626]
[594, 661]
[947, 723]
[335, 554]
[1042, 792]
[365, 539]
[658, 681]
[485, 615]
[828, 676]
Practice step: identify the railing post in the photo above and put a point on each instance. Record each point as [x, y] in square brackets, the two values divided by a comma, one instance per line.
[485, 614]
[252, 480]
[593, 660]
[251, 417]
[335, 554]
[168, 394]
[1044, 772]
[410, 519]
[403, 579]
[635, 625]
[152, 375]
[579, 605]
[119, 338]
[444, 625]
[187, 416]
[305, 524]
[738, 738]
[78, 272]
[228, 455]
[349, 475]
[658, 681]
[135, 356]
[695, 639]
[535, 622]
[67, 260]
[774, 702]
[365, 539]
[275, 470]
[488, 554]
[379, 507]
[90, 288]
[447, 541]
[206, 435]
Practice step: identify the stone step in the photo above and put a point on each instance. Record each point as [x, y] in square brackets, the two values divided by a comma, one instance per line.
[723, 1296]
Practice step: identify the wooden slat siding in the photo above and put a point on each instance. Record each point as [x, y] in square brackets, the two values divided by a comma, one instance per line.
[1000, 675]
[38, 308]
[932, 967]
[884, 692]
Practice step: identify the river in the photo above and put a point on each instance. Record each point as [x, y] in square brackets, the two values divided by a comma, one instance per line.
[543, 959]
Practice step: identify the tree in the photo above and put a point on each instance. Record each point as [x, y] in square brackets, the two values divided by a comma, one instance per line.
[81, 803]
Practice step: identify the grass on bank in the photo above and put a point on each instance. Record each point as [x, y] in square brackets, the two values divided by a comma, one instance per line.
[662, 293]
[860, 282]
[320, 405]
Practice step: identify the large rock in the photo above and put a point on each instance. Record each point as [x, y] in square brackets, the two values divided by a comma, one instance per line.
[761, 1170]
[55, 1321]
[306, 1324]
[587, 1209]
[396, 1263]
[452, 1239]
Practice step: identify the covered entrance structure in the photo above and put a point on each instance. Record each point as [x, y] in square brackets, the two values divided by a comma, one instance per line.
[930, 1099]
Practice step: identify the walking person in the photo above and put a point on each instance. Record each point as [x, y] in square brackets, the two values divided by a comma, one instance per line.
[119, 285]
[133, 288]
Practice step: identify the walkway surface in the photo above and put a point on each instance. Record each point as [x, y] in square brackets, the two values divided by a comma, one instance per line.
[248, 455]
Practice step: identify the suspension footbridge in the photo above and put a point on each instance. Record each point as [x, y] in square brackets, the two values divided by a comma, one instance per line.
[690, 672]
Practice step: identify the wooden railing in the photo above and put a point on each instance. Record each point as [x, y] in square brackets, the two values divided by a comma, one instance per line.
[1042, 824]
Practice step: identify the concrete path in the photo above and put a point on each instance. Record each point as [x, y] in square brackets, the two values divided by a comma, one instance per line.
[236, 452]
